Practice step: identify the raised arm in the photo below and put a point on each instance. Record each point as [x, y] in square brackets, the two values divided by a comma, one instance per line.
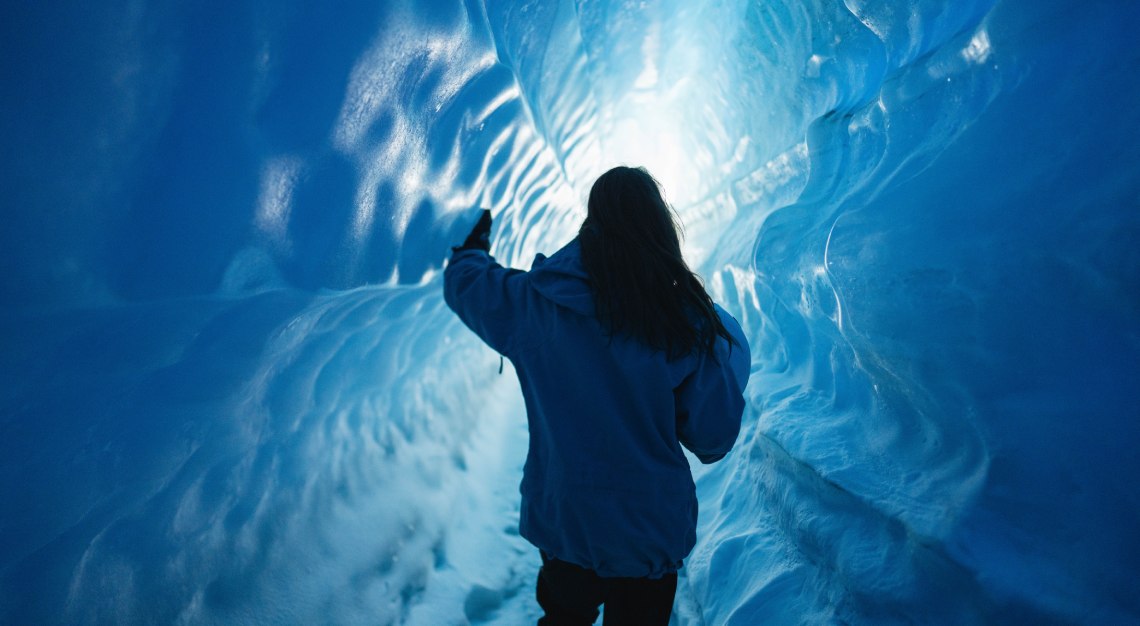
[484, 295]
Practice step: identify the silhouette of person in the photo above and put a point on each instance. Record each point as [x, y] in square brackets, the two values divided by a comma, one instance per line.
[623, 358]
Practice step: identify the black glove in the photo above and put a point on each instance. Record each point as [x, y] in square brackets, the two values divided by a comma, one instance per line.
[480, 236]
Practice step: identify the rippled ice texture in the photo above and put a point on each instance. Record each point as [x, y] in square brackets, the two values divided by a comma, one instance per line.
[232, 393]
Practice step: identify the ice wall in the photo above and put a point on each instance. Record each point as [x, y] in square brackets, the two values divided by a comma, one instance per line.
[233, 394]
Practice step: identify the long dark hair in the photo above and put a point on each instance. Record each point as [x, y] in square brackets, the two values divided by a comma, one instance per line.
[641, 284]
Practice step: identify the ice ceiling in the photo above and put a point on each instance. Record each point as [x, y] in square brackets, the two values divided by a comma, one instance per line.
[232, 392]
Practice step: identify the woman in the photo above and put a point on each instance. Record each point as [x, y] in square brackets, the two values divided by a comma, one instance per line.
[623, 358]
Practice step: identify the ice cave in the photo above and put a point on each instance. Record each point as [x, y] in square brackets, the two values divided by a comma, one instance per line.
[232, 393]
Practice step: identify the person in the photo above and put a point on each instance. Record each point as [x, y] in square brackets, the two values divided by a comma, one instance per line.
[623, 358]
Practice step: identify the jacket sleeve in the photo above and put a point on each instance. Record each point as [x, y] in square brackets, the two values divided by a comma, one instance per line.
[485, 295]
[710, 401]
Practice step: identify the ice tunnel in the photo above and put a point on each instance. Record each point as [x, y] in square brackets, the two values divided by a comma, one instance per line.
[232, 393]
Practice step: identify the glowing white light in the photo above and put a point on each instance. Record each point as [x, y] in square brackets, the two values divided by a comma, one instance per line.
[979, 48]
[653, 140]
[656, 117]
[813, 65]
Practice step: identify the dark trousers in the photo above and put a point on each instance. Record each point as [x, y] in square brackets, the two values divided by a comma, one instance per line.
[570, 596]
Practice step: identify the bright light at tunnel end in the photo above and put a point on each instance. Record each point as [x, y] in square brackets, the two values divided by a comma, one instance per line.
[652, 140]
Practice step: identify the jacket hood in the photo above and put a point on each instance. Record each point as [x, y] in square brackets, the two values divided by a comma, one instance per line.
[562, 279]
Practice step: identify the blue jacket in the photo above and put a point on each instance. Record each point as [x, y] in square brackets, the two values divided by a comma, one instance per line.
[605, 485]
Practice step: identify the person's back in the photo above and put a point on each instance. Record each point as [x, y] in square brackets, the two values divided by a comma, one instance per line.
[617, 373]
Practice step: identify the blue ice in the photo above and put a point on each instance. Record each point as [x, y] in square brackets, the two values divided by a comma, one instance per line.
[232, 393]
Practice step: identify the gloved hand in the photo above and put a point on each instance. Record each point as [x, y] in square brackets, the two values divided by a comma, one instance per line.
[480, 236]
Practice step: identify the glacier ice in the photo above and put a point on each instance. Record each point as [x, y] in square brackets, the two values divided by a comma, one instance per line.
[232, 393]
